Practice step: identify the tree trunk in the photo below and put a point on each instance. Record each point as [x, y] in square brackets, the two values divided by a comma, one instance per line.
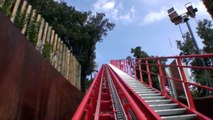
[83, 79]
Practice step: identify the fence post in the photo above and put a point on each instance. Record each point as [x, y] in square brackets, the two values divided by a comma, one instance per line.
[79, 76]
[72, 69]
[15, 9]
[54, 50]
[44, 37]
[41, 28]
[68, 64]
[32, 16]
[29, 8]
[185, 85]
[52, 39]
[23, 7]
[63, 60]
[48, 40]
[57, 51]
[162, 79]
[52, 44]
[60, 54]
[149, 74]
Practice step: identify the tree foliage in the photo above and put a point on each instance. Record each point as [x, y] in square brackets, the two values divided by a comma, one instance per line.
[79, 30]
[46, 51]
[209, 6]
[138, 53]
[187, 47]
[5, 6]
[205, 32]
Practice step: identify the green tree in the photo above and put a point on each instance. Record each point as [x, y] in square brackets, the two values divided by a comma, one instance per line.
[187, 47]
[209, 6]
[79, 30]
[138, 53]
[5, 6]
[205, 32]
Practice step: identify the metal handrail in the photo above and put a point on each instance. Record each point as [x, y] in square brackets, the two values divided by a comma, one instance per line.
[133, 67]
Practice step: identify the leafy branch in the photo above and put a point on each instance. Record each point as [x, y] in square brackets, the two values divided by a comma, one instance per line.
[46, 51]
[32, 30]
[5, 6]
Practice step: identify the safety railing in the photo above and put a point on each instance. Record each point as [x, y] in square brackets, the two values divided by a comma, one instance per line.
[90, 106]
[86, 109]
[172, 77]
[43, 37]
[133, 107]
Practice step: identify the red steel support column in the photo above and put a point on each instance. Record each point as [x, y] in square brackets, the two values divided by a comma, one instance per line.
[188, 93]
[162, 79]
[135, 73]
[129, 66]
[126, 66]
[140, 70]
[148, 72]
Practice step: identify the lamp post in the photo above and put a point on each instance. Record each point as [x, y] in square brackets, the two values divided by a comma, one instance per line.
[184, 18]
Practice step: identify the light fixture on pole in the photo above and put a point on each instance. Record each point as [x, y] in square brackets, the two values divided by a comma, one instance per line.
[184, 18]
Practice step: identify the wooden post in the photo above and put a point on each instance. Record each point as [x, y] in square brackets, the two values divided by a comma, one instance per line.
[44, 37]
[52, 39]
[15, 9]
[32, 16]
[41, 28]
[38, 20]
[68, 64]
[49, 35]
[29, 8]
[55, 43]
[2, 2]
[74, 71]
[57, 51]
[23, 7]
[60, 55]
[65, 61]
[71, 69]
[79, 75]
[62, 58]
[52, 54]
[54, 49]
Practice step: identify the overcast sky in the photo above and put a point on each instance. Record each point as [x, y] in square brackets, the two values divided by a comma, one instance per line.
[142, 23]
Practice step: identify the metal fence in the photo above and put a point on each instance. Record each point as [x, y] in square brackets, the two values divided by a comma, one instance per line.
[171, 79]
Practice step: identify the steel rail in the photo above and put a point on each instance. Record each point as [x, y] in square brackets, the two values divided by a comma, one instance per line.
[119, 111]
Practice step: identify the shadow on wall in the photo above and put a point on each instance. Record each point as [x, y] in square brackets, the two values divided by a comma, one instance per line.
[30, 88]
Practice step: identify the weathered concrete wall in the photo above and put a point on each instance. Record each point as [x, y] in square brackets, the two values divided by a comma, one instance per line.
[30, 88]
